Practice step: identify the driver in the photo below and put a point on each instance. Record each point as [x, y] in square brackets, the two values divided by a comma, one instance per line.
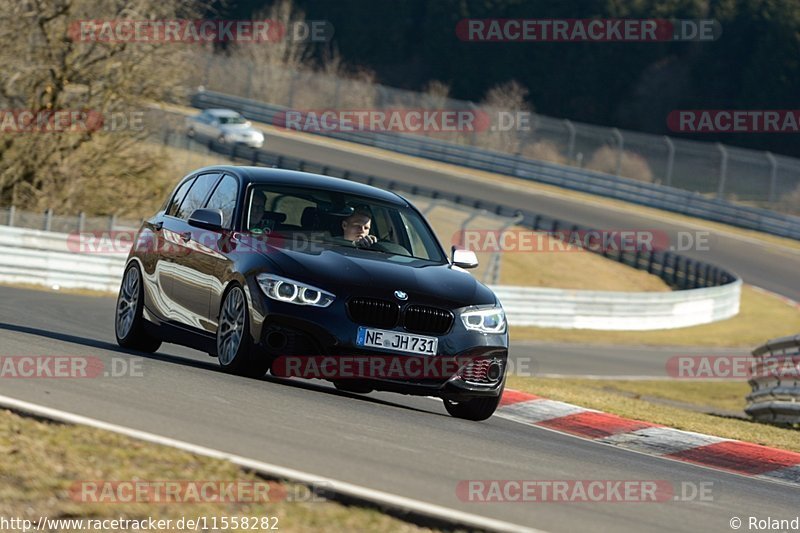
[356, 228]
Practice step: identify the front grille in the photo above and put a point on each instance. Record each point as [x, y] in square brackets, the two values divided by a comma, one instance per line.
[478, 371]
[373, 312]
[423, 319]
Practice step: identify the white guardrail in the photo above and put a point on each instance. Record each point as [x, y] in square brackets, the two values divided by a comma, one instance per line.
[48, 258]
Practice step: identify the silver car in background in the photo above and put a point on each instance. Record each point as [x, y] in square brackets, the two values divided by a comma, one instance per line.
[224, 126]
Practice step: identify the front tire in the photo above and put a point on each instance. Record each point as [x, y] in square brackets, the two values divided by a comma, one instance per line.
[129, 325]
[476, 409]
[235, 350]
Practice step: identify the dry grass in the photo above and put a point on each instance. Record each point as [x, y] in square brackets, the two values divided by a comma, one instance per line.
[42, 461]
[572, 268]
[632, 165]
[761, 317]
[640, 401]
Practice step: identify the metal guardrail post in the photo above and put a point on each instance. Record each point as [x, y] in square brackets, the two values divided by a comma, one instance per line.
[620, 148]
[81, 221]
[11, 213]
[48, 219]
[571, 143]
[723, 170]
[670, 160]
[773, 176]
[112, 222]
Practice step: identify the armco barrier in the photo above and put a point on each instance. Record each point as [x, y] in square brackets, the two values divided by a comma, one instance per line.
[38, 257]
[649, 194]
[559, 308]
[44, 258]
[775, 395]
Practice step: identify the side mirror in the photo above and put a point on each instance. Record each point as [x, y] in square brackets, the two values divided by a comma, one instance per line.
[464, 258]
[210, 219]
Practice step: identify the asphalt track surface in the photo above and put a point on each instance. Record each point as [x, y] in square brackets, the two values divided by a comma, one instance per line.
[397, 444]
[759, 264]
[544, 359]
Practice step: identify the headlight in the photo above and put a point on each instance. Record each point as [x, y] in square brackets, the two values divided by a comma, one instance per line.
[485, 320]
[293, 292]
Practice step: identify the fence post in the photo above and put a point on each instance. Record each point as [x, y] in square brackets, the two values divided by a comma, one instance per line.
[620, 148]
[518, 217]
[571, 143]
[670, 160]
[773, 176]
[11, 212]
[48, 219]
[723, 170]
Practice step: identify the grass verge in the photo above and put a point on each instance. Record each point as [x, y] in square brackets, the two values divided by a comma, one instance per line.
[762, 316]
[671, 403]
[43, 461]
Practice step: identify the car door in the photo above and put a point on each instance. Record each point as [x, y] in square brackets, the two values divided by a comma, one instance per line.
[226, 198]
[203, 124]
[191, 269]
[158, 239]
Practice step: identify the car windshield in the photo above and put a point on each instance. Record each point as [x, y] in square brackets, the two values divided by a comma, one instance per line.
[300, 217]
[232, 119]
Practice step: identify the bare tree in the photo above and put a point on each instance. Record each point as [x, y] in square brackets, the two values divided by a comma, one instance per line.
[50, 66]
[268, 68]
[507, 97]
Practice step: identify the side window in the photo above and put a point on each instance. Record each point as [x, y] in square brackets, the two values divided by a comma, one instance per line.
[180, 194]
[224, 198]
[197, 195]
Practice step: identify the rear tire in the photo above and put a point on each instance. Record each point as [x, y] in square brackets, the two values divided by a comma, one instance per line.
[235, 350]
[129, 325]
[476, 409]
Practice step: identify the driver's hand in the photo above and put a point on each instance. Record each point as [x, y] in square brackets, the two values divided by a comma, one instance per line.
[366, 241]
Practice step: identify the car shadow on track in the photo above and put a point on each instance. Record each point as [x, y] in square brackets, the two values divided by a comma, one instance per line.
[103, 345]
[185, 361]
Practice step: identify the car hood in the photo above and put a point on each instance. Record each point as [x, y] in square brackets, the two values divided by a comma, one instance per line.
[347, 272]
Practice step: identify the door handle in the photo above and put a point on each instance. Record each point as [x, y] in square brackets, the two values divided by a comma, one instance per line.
[186, 236]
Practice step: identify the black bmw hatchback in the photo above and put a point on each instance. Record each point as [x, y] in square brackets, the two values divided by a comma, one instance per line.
[309, 276]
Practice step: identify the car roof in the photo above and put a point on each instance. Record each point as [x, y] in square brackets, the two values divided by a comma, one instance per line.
[277, 176]
[222, 112]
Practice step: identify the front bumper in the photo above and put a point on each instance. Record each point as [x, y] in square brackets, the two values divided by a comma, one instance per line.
[282, 330]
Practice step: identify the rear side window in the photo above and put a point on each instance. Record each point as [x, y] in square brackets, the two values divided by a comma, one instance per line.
[197, 195]
[224, 198]
[177, 199]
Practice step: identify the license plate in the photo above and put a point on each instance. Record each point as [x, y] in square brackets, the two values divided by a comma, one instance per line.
[392, 340]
